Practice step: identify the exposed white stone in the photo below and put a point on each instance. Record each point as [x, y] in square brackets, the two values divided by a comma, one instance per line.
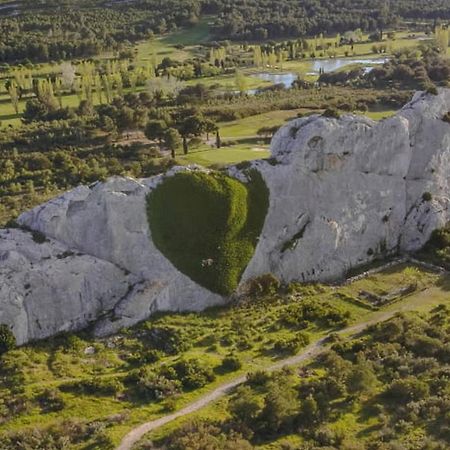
[47, 288]
[109, 222]
[353, 189]
[342, 191]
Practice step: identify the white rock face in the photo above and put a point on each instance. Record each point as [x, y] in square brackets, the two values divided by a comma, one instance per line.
[345, 191]
[341, 193]
[123, 280]
[46, 288]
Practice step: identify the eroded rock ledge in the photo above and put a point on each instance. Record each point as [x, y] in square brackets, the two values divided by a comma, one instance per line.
[342, 192]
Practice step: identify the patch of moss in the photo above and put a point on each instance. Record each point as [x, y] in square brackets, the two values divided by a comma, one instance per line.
[208, 225]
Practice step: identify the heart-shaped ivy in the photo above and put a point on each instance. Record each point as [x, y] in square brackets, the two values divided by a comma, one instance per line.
[208, 224]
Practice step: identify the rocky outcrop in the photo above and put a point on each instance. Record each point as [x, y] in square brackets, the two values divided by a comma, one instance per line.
[342, 192]
[346, 191]
[99, 264]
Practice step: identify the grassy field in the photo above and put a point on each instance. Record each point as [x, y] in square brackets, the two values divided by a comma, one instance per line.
[206, 156]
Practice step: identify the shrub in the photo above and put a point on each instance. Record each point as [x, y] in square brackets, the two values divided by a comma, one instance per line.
[438, 247]
[331, 113]
[50, 400]
[432, 89]
[7, 339]
[38, 237]
[321, 313]
[266, 284]
[427, 197]
[169, 340]
[94, 386]
[406, 390]
[231, 363]
[151, 385]
[192, 374]
[291, 345]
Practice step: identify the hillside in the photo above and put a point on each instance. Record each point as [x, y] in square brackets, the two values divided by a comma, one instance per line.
[78, 392]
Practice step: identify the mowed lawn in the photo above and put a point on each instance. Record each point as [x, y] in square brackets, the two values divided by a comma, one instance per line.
[207, 156]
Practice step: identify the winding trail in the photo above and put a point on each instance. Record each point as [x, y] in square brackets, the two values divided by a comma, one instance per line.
[312, 350]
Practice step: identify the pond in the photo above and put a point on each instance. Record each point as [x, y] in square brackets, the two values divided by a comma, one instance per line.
[328, 65]
[286, 78]
[332, 64]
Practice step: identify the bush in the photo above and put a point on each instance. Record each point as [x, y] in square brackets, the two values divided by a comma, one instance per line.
[94, 386]
[231, 363]
[432, 89]
[332, 113]
[291, 345]
[405, 391]
[438, 247]
[169, 340]
[7, 339]
[50, 401]
[150, 385]
[192, 374]
[263, 285]
[208, 225]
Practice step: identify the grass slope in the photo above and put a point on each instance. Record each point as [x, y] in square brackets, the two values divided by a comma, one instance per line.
[55, 389]
[208, 225]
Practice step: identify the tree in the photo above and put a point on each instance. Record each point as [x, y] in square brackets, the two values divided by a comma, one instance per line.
[172, 140]
[209, 127]
[361, 379]
[218, 139]
[156, 129]
[13, 91]
[125, 118]
[7, 339]
[245, 406]
[240, 81]
[309, 412]
[67, 75]
[34, 110]
[191, 126]
[279, 406]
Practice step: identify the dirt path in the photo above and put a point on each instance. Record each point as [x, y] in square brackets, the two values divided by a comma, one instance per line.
[312, 350]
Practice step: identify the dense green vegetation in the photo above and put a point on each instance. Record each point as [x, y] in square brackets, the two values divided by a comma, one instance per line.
[262, 19]
[418, 68]
[387, 389]
[438, 247]
[43, 32]
[208, 224]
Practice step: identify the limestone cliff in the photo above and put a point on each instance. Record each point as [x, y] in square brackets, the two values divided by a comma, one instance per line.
[345, 191]
[342, 191]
